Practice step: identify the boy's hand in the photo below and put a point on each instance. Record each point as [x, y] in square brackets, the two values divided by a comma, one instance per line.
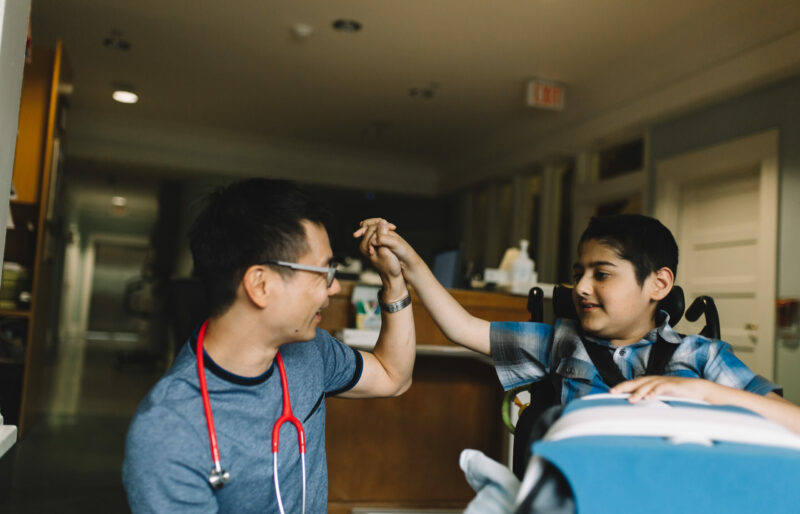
[378, 233]
[646, 387]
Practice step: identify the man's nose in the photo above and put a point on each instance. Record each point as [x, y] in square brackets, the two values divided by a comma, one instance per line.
[335, 287]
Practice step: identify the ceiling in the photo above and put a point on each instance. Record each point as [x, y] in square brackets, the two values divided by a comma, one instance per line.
[229, 86]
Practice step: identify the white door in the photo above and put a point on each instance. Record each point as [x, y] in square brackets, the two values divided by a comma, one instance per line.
[721, 205]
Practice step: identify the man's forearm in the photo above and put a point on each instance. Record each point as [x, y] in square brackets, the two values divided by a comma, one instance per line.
[396, 346]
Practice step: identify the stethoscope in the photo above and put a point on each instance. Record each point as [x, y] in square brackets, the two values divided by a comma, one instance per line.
[218, 476]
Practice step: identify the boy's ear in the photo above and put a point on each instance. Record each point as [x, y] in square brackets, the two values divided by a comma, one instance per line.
[663, 280]
[256, 285]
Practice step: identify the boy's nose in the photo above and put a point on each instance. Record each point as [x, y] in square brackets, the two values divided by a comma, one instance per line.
[583, 286]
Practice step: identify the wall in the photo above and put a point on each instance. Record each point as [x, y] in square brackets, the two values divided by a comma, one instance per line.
[776, 106]
[198, 151]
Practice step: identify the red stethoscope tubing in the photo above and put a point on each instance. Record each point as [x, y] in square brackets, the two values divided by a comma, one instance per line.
[286, 416]
[212, 433]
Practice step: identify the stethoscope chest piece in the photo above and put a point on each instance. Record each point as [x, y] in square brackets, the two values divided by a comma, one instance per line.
[218, 478]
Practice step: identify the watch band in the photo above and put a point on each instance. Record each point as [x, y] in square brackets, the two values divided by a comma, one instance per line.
[394, 306]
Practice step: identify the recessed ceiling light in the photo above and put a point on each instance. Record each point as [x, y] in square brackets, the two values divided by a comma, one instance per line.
[125, 96]
[119, 201]
[115, 41]
[424, 92]
[347, 25]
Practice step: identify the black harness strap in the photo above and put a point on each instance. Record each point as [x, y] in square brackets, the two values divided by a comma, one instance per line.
[602, 360]
[660, 355]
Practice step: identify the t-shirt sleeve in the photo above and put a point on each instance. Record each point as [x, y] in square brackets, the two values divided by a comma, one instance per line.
[342, 364]
[157, 470]
[723, 367]
[520, 351]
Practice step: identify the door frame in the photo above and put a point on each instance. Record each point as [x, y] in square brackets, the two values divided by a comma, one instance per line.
[717, 162]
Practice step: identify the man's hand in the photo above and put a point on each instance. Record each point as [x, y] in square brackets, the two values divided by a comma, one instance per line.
[646, 387]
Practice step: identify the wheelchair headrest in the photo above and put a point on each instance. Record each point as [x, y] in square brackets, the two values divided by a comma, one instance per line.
[673, 303]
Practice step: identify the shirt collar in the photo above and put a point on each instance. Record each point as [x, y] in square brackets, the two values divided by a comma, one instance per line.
[224, 374]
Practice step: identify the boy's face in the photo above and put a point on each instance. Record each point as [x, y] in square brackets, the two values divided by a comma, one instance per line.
[610, 302]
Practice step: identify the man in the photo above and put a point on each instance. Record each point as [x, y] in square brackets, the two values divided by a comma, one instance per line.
[263, 253]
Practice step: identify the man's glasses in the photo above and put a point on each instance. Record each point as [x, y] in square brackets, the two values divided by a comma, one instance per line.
[329, 271]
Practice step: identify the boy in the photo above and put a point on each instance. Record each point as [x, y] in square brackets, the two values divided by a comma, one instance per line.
[626, 265]
[262, 251]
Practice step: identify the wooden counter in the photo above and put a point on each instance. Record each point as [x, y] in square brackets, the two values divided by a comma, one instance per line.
[403, 452]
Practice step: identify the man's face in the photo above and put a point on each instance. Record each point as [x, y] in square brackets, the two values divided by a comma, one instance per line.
[303, 294]
[610, 302]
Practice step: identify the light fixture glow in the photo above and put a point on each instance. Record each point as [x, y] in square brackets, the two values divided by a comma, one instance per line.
[119, 201]
[125, 97]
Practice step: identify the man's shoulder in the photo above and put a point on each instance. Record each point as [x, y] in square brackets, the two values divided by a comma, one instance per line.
[173, 389]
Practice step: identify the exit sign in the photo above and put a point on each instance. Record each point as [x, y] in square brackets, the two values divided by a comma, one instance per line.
[545, 95]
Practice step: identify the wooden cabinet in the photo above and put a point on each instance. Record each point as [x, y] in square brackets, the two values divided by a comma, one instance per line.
[403, 452]
[24, 318]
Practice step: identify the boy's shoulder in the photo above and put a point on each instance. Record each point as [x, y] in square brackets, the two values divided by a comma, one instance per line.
[697, 343]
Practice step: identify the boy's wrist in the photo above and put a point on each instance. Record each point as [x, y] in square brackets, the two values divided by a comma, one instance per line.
[412, 266]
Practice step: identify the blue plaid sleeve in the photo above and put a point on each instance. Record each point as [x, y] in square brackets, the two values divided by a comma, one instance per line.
[520, 351]
[723, 367]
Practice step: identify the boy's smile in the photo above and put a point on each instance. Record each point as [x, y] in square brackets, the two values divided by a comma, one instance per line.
[610, 302]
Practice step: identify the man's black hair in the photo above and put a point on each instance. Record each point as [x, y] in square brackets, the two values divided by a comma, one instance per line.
[642, 240]
[244, 224]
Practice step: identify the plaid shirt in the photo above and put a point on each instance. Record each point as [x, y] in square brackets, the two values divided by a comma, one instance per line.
[524, 352]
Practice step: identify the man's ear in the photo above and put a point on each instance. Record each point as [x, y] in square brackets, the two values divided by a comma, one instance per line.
[256, 285]
[663, 280]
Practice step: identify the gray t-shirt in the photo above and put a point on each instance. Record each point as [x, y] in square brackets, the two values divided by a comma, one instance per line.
[167, 451]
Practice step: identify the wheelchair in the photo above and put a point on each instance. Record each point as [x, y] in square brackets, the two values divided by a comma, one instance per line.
[534, 416]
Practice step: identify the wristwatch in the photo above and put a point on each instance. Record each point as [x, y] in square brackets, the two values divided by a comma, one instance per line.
[394, 306]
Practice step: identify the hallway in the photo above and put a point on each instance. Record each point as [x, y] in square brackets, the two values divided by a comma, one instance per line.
[70, 460]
